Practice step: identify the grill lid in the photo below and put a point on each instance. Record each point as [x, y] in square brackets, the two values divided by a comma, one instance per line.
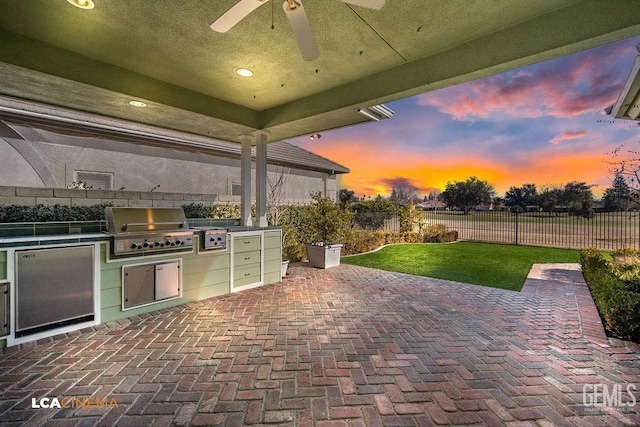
[136, 220]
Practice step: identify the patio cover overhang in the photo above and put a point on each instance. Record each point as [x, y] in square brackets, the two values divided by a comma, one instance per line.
[164, 54]
[627, 106]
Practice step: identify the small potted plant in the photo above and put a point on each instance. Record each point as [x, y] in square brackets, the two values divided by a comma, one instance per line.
[327, 228]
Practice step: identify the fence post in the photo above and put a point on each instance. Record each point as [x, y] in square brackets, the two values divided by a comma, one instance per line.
[516, 213]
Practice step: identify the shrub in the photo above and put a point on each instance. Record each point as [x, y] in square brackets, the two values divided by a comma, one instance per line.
[329, 222]
[627, 269]
[292, 249]
[619, 306]
[372, 214]
[438, 233]
[200, 210]
[360, 241]
[44, 213]
[410, 219]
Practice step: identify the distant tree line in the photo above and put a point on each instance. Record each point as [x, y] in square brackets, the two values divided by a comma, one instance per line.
[575, 198]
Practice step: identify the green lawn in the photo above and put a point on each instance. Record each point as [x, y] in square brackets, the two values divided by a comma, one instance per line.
[487, 264]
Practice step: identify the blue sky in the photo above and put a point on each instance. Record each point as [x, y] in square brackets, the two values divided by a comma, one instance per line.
[543, 124]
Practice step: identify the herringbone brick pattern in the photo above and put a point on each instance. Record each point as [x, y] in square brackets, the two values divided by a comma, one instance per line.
[347, 346]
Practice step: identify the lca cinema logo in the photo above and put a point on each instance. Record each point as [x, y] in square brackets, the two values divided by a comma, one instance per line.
[613, 396]
[74, 402]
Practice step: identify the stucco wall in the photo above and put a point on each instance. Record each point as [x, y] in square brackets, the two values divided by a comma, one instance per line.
[140, 169]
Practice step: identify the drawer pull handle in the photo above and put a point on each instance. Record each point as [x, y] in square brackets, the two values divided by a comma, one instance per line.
[246, 242]
[247, 258]
[247, 274]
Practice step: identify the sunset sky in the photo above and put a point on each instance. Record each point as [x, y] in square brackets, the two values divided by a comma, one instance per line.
[542, 124]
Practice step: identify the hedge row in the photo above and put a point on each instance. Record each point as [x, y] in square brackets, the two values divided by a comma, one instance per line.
[46, 213]
[615, 298]
[364, 241]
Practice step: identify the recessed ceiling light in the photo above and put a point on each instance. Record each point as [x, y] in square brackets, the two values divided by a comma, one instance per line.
[137, 103]
[244, 72]
[83, 4]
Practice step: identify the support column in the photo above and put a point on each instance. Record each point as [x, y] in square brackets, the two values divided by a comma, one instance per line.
[245, 181]
[261, 178]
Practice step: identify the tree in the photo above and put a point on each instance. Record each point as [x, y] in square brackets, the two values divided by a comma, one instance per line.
[347, 197]
[521, 197]
[550, 197]
[403, 193]
[626, 163]
[618, 197]
[575, 198]
[465, 195]
[276, 192]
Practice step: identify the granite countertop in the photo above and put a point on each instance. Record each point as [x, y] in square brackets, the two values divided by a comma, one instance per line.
[36, 234]
[52, 239]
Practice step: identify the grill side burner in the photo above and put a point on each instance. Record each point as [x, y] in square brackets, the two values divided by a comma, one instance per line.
[143, 231]
[212, 238]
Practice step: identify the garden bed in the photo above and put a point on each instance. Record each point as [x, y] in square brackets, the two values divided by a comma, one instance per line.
[615, 287]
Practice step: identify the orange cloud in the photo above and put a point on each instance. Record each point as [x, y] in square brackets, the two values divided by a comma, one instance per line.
[564, 136]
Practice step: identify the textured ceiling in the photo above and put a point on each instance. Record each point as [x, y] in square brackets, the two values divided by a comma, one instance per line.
[164, 53]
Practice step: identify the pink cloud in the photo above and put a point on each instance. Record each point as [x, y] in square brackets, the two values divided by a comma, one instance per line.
[564, 87]
[565, 136]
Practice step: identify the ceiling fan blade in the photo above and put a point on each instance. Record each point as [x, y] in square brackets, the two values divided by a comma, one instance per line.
[369, 4]
[301, 29]
[234, 15]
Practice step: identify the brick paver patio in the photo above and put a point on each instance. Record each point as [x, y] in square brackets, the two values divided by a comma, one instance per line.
[341, 347]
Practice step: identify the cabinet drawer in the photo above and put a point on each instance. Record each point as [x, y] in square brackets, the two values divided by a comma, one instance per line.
[245, 244]
[243, 273]
[245, 258]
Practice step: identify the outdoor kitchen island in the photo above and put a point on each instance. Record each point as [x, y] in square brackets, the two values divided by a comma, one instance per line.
[130, 285]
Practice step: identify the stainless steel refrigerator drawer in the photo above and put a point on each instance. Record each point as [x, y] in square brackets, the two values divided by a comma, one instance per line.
[54, 288]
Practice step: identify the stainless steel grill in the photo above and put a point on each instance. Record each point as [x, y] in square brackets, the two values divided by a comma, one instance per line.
[212, 238]
[144, 231]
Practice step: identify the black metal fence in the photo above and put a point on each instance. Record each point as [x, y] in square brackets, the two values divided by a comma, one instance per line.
[605, 231]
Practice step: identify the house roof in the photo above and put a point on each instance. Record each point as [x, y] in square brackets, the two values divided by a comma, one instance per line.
[42, 123]
[163, 52]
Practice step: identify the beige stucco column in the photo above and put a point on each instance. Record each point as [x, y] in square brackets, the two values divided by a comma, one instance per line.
[245, 181]
[261, 178]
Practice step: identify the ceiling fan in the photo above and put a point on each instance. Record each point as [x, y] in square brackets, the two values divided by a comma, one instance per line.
[297, 19]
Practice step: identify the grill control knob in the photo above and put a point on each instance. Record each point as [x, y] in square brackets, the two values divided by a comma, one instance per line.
[134, 246]
[212, 239]
[146, 244]
[139, 247]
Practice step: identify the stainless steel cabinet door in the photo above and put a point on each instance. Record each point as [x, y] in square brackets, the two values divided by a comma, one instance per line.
[167, 280]
[138, 285]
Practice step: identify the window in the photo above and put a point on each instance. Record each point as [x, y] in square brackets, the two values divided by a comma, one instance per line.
[94, 180]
